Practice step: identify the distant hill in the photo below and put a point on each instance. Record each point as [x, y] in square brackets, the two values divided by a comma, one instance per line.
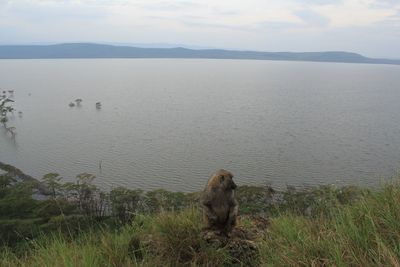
[88, 50]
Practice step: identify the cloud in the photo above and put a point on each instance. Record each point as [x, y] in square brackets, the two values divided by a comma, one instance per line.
[385, 4]
[277, 26]
[312, 18]
[52, 11]
[175, 6]
[254, 24]
[320, 2]
[353, 13]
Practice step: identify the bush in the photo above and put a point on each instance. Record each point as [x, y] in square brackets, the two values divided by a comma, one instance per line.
[54, 207]
[14, 230]
[16, 202]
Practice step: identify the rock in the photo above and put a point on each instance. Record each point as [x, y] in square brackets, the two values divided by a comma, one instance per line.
[240, 242]
[215, 238]
[261, 223]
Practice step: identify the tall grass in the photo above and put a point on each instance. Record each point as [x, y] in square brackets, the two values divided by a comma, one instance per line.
[164, 239]
[174, 239]
[362, 233]
[365, 233]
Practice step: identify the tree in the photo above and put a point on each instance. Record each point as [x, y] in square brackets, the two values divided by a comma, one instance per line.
[78, 101]
[86, 193]
[5, 109]
[125, 203]
[52, 181]
[5, 181]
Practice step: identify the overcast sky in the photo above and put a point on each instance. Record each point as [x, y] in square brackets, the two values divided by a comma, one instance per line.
[370, 27]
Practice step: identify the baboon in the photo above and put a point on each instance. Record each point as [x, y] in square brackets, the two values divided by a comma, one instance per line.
[220, 207]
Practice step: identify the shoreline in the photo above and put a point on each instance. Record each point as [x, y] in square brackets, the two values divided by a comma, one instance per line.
[20, 176]
[253, 198]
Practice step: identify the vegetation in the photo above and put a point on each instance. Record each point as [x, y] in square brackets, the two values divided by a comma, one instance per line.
[5, 109]
[365, 233]
[79, 225]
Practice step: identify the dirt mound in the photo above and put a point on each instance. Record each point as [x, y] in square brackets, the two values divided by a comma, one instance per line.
[240, 242]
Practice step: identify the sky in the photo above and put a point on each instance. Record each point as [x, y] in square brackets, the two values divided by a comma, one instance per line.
[369, 27]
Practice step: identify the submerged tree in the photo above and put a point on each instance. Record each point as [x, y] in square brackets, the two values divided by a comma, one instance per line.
[5, 109]
[78, 102]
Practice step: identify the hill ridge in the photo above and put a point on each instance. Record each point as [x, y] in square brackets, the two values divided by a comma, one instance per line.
[96, 50]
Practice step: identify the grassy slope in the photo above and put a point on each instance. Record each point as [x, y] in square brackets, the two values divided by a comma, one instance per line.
[364, 233]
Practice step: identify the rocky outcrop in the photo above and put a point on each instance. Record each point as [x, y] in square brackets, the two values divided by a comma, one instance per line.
[20, 176]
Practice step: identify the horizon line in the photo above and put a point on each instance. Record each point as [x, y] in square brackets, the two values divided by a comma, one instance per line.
[182, 46]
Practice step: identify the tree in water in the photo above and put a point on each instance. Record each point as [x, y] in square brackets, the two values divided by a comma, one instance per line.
[5, 109]
[78, 101]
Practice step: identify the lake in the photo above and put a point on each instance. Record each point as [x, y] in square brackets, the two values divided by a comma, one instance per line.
[170, 123]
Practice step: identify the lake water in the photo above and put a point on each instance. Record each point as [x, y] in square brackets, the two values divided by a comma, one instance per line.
[170, 123]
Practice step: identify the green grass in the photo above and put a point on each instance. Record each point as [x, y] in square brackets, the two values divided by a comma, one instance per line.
[365, 232]
[164, 239]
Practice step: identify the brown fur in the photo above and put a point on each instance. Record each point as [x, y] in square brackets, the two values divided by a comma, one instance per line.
[219, 204]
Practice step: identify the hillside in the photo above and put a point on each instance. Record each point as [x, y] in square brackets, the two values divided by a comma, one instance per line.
[80, 225]
[88, 50]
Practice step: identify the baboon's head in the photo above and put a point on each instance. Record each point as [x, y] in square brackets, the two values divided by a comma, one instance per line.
[225, 179]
